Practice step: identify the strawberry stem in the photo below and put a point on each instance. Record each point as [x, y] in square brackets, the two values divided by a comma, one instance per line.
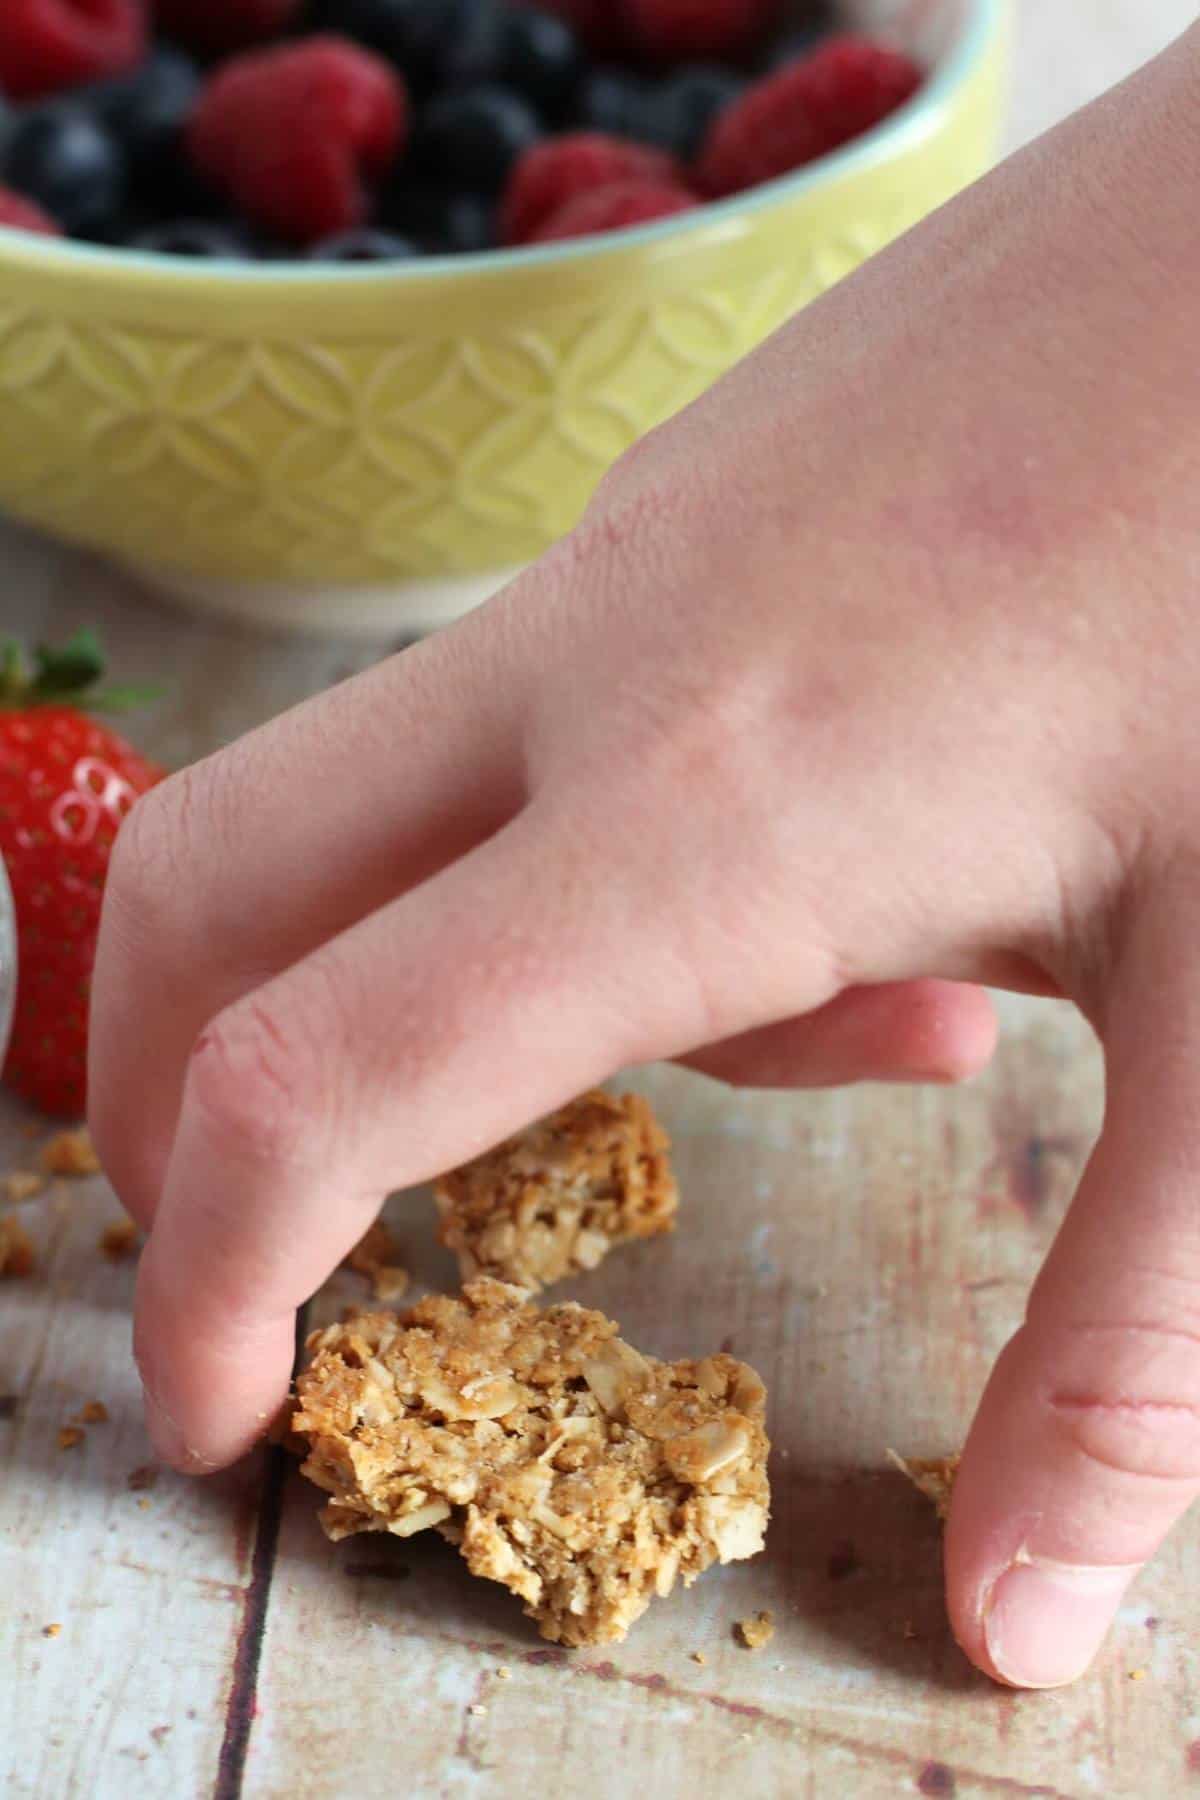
[66, 673]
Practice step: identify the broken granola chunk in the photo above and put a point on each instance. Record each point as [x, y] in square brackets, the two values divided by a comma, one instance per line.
[555, 1199]
[756, 1632]
[70, 1153]
[16, 1248]
[933, 1476]
[581, 1475]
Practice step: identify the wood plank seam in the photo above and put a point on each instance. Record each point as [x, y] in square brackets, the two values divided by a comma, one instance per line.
[243, 1689]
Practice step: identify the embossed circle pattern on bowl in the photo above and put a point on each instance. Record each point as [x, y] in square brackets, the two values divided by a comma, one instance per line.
[373, 449]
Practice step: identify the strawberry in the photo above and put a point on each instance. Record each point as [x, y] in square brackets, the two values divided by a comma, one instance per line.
[66, 784]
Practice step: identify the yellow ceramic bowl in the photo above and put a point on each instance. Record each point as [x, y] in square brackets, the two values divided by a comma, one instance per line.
[362, 449]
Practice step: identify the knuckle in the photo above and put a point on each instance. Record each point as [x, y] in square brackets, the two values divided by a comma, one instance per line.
[253, 1082]
[641, 462]
[1137, 1413]
[149, 871]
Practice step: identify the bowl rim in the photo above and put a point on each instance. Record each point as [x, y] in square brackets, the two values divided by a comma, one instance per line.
[977, 31]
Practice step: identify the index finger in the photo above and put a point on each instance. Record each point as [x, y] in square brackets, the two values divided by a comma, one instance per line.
[493, 993]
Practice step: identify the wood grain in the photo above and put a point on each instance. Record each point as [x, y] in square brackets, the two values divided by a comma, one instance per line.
[868, 1251]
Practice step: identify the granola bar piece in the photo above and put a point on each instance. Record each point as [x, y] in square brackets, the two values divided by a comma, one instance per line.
[555, 1199]
[581, 1475]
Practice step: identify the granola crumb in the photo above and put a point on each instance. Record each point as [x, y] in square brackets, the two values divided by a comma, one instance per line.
[757, 1631]
[143, 1506]
[504, 1673]
[933, 1476]
[611, 1477]
[70, 1153]
[119, 1242]
[477, 1711]
[555, 1199]
[374, 1256]
[17, 1257]
[22, 1185]
[1138, 1674]
[94, 1413]
[144, 1477]
[51, 1631]
[69, 1436]
[390, 1282]
[698, 1656]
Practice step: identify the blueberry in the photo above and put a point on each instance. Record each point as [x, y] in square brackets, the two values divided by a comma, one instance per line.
[195, 238]
[529, 51]
[364, 246]
[440, 219]
[419, 36]
[472, 138]
[146, 111]
[62, 157]
[677, 114]
[610, 100]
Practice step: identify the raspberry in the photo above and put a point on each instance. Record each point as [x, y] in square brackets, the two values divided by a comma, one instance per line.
[291, 134]
[558, 170]
[23, 215]
[214, 27]
[613, 208]
[46, 45]
[691, 30]
[808, 108]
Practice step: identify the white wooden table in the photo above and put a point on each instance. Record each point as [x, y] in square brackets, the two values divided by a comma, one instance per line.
[211, 1641]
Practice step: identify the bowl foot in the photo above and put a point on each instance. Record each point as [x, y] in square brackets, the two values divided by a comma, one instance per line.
[412, 608]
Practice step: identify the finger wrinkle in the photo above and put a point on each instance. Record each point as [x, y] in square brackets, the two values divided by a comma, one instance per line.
[1148, 1442]
[1097, 1403]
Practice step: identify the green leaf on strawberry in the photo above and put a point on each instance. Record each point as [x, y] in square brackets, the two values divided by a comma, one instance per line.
[68, 672]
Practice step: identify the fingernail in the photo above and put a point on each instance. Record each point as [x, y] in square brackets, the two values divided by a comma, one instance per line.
[1045, 1621]
[165, 1435]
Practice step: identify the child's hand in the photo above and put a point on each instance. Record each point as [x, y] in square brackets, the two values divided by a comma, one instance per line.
[881, 663]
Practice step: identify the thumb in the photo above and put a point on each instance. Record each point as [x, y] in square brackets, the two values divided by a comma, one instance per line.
[1086, 1449]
